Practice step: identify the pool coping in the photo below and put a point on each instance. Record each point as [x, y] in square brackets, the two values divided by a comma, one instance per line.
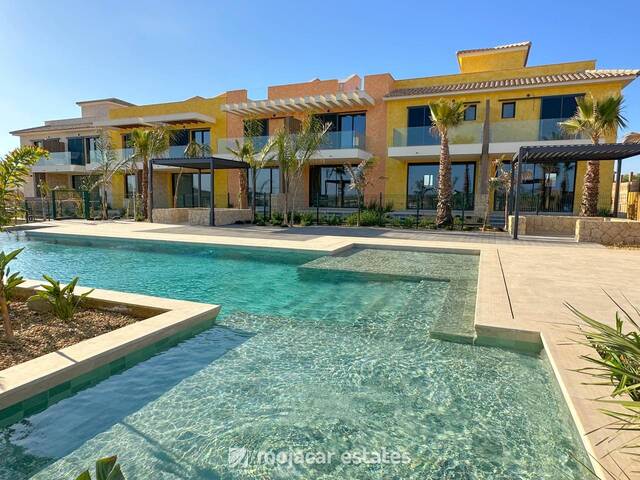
[493, 320]
[167, 318]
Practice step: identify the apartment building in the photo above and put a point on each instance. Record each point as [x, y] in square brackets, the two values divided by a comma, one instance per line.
[508, 104]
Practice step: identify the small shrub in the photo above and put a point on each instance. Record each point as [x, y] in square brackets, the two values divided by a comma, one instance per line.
[372, 218]
[306, 218]
[396, 222]
[8, 283]
[333, 220]
[352, 220]
[277, 218]
[408, 222]
[428, 223]
[61, 299]
[106, 469]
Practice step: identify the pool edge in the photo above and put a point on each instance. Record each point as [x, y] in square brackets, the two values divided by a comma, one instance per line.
[32, 380]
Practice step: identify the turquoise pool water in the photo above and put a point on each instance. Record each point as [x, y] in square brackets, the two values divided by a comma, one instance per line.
[318, 362]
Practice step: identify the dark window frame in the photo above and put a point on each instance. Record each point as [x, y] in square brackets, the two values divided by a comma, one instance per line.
[126, 176]
[312, 188]
[470, 206]
[475, 112]
[504, 104]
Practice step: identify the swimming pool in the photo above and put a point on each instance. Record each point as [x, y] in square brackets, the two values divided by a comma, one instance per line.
[311, 355]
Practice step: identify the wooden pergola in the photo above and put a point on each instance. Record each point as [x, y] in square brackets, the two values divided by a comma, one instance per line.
[201, 163]
[569, 153]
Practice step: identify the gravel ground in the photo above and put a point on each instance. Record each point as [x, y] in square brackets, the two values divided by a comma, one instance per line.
[39, 333]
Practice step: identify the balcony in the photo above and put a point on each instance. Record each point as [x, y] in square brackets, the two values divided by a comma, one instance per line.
[508, 135]
[465, 139]
[72, 162]
[341, 145]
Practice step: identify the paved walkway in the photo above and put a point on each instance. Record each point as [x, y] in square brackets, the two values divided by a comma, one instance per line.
[521, 290]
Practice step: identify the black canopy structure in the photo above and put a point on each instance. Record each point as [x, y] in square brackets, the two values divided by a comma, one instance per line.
[570, 153]
[200, 163]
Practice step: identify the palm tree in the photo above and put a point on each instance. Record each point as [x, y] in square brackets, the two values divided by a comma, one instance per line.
[147, 144]
[292, 152]
[445, 114]
[248, 152]
[632, 137]
[244, 152]
[14, 171]
[359, 180]
[595, 119]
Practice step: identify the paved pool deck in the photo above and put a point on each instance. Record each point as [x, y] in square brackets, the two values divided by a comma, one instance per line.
[522, 288]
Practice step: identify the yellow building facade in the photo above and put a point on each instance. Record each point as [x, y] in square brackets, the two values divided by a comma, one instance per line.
[508, 104]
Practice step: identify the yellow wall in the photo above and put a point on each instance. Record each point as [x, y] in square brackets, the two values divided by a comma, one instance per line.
[207, 106]
[492, 60]
[527, 110]
[117, 190]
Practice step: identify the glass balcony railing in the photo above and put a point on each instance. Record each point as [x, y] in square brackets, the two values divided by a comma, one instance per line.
[529, 130]
[343, 139]
[332, 141]
[423, 136]
[224, 144]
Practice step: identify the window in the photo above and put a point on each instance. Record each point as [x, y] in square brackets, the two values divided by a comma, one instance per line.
[38, 143]
[75, 147]
[179, 138]
[470, 113]
[346, 130]
[422, 185]
[267, 183]
[188, 192]
[201, 137]
[91, 149]
[509, 110]
[330, 188]
[553, 110]
[131, 185]
[419, 127]
[548, 187]
[126, 141]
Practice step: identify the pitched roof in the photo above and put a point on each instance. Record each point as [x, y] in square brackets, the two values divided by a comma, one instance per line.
[499, 47]
[513, 83]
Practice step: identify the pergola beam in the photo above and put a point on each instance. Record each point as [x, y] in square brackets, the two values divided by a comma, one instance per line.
[569, 153]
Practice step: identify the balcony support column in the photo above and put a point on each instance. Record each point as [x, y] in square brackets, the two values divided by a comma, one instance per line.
[212, 210]
[484, 155]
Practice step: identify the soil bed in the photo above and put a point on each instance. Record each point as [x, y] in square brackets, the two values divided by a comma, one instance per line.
[39, 333]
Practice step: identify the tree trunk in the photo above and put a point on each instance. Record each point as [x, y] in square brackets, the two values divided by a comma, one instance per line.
[175, 195]
[253, 196]
[145, 186]
[486, 213]
[443, 213]
[8, 330]
[589, 205]
[242, 193]
[103, 194]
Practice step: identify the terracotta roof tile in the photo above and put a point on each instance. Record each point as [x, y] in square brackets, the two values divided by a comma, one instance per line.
[499, 47]
[540, 80]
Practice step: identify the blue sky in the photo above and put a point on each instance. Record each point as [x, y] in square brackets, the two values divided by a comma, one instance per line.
[54, 53]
